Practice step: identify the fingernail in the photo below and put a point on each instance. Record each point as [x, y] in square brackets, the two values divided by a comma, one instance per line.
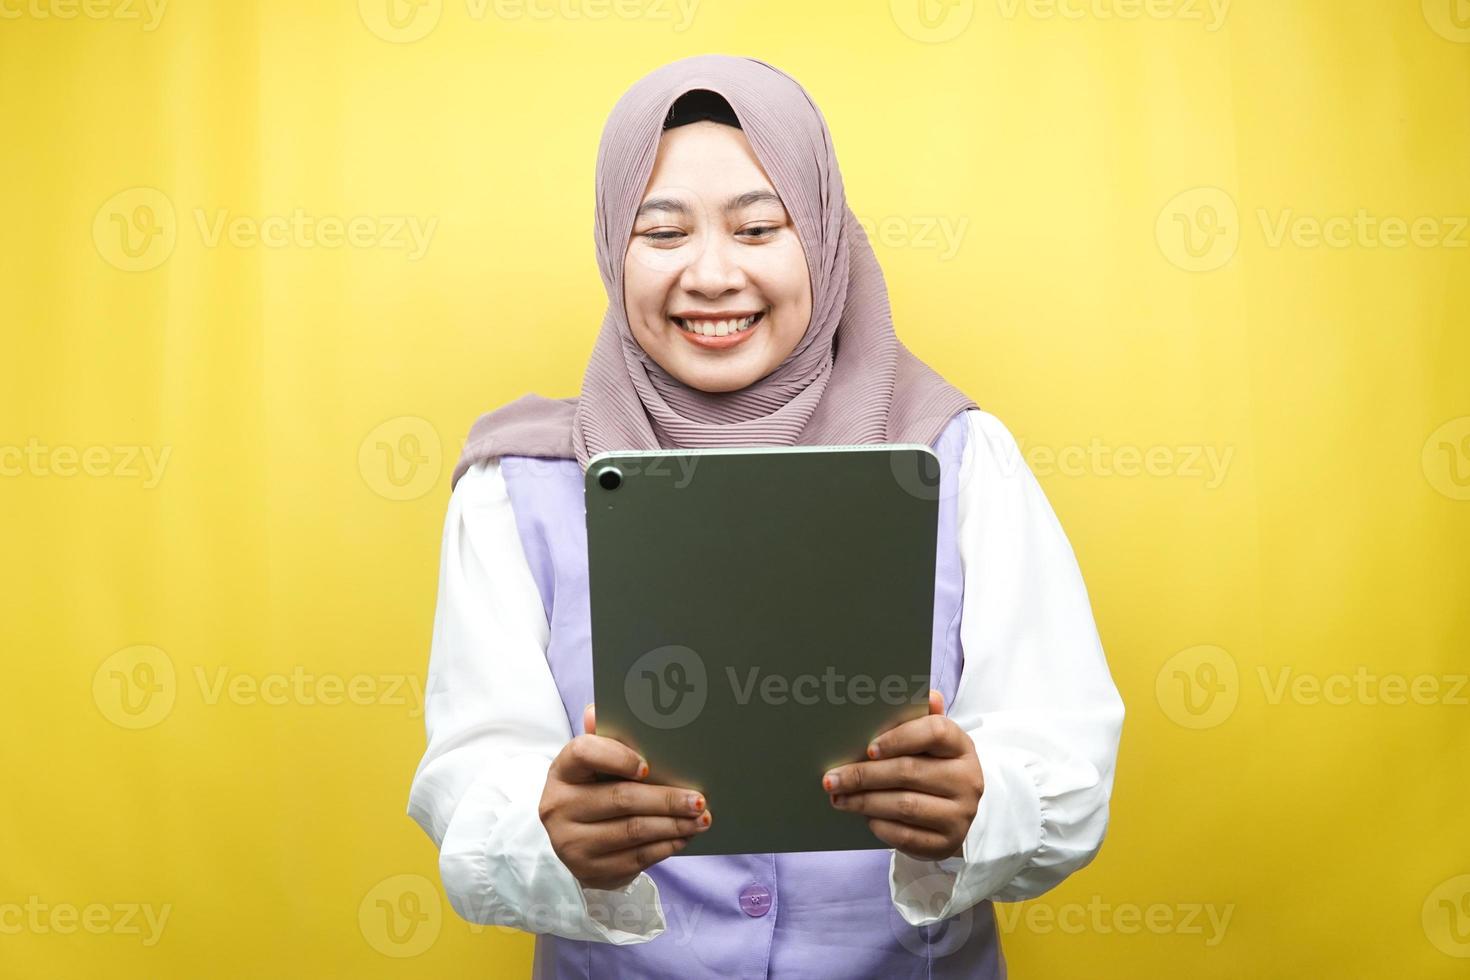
[829, 781]
[836, 799]
[681, 843]
[696, 802]
[642, 769]
[872, 750]
[704, 820]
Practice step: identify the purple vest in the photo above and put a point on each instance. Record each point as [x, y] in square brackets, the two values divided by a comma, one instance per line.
[817, 914]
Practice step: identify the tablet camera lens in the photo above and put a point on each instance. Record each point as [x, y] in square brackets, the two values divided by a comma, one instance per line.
[610, 479]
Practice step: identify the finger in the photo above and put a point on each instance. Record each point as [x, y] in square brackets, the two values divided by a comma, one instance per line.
[589, 719]
[633, 860]
[587, 755]
[611, 836]
[626, 798]
[936, 702]
[919, 772]
[936, 735]
[900, 806]
[926, 844]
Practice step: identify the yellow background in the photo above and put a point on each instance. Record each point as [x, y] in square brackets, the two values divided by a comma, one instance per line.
[1086, 303]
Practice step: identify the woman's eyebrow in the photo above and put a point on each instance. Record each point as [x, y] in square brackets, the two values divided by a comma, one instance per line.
[673, 205]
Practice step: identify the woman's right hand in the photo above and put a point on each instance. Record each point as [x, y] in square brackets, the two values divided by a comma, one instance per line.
[608, 832]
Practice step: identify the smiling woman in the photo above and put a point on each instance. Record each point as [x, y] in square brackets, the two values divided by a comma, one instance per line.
[715, 279]
[746, 308]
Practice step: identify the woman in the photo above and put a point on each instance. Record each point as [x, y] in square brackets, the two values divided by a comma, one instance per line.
[746, 308]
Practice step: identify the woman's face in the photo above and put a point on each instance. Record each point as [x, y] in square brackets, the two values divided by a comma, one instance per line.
[712, 246]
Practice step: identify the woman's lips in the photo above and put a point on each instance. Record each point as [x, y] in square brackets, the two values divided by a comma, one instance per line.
[721, 343]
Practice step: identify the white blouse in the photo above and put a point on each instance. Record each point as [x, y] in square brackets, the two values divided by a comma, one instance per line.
[1035, 695]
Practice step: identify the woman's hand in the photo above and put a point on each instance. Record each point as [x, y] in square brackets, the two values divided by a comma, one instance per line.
[607, 833]
[921, 794]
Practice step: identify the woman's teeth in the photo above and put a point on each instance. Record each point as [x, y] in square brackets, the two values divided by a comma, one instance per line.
[717, 328]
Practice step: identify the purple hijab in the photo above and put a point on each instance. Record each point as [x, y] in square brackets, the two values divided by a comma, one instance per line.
[849, 380]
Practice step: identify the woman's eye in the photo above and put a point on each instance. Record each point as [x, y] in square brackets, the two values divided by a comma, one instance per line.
[758, 230]
[662, 236]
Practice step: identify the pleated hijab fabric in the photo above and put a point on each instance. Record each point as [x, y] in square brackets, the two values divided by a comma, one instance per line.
[849, 380]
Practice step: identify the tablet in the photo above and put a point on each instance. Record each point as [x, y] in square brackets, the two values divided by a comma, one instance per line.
[758, 615]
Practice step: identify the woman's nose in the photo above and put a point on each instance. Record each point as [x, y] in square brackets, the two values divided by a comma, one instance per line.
[713, 269]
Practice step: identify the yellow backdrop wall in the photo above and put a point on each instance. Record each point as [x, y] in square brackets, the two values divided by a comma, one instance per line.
[265, 261]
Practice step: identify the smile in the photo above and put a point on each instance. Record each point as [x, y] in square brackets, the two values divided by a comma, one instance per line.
[717, 333]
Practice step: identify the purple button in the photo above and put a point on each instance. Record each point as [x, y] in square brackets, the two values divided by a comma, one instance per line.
[755, 900]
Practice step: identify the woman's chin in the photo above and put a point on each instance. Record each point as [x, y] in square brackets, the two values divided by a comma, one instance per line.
[719, 381]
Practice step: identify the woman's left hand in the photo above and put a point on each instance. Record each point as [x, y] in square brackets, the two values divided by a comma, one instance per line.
[921, 791]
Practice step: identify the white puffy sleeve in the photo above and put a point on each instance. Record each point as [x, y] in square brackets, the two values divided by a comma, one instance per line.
[1035, 696]
[495, 720]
